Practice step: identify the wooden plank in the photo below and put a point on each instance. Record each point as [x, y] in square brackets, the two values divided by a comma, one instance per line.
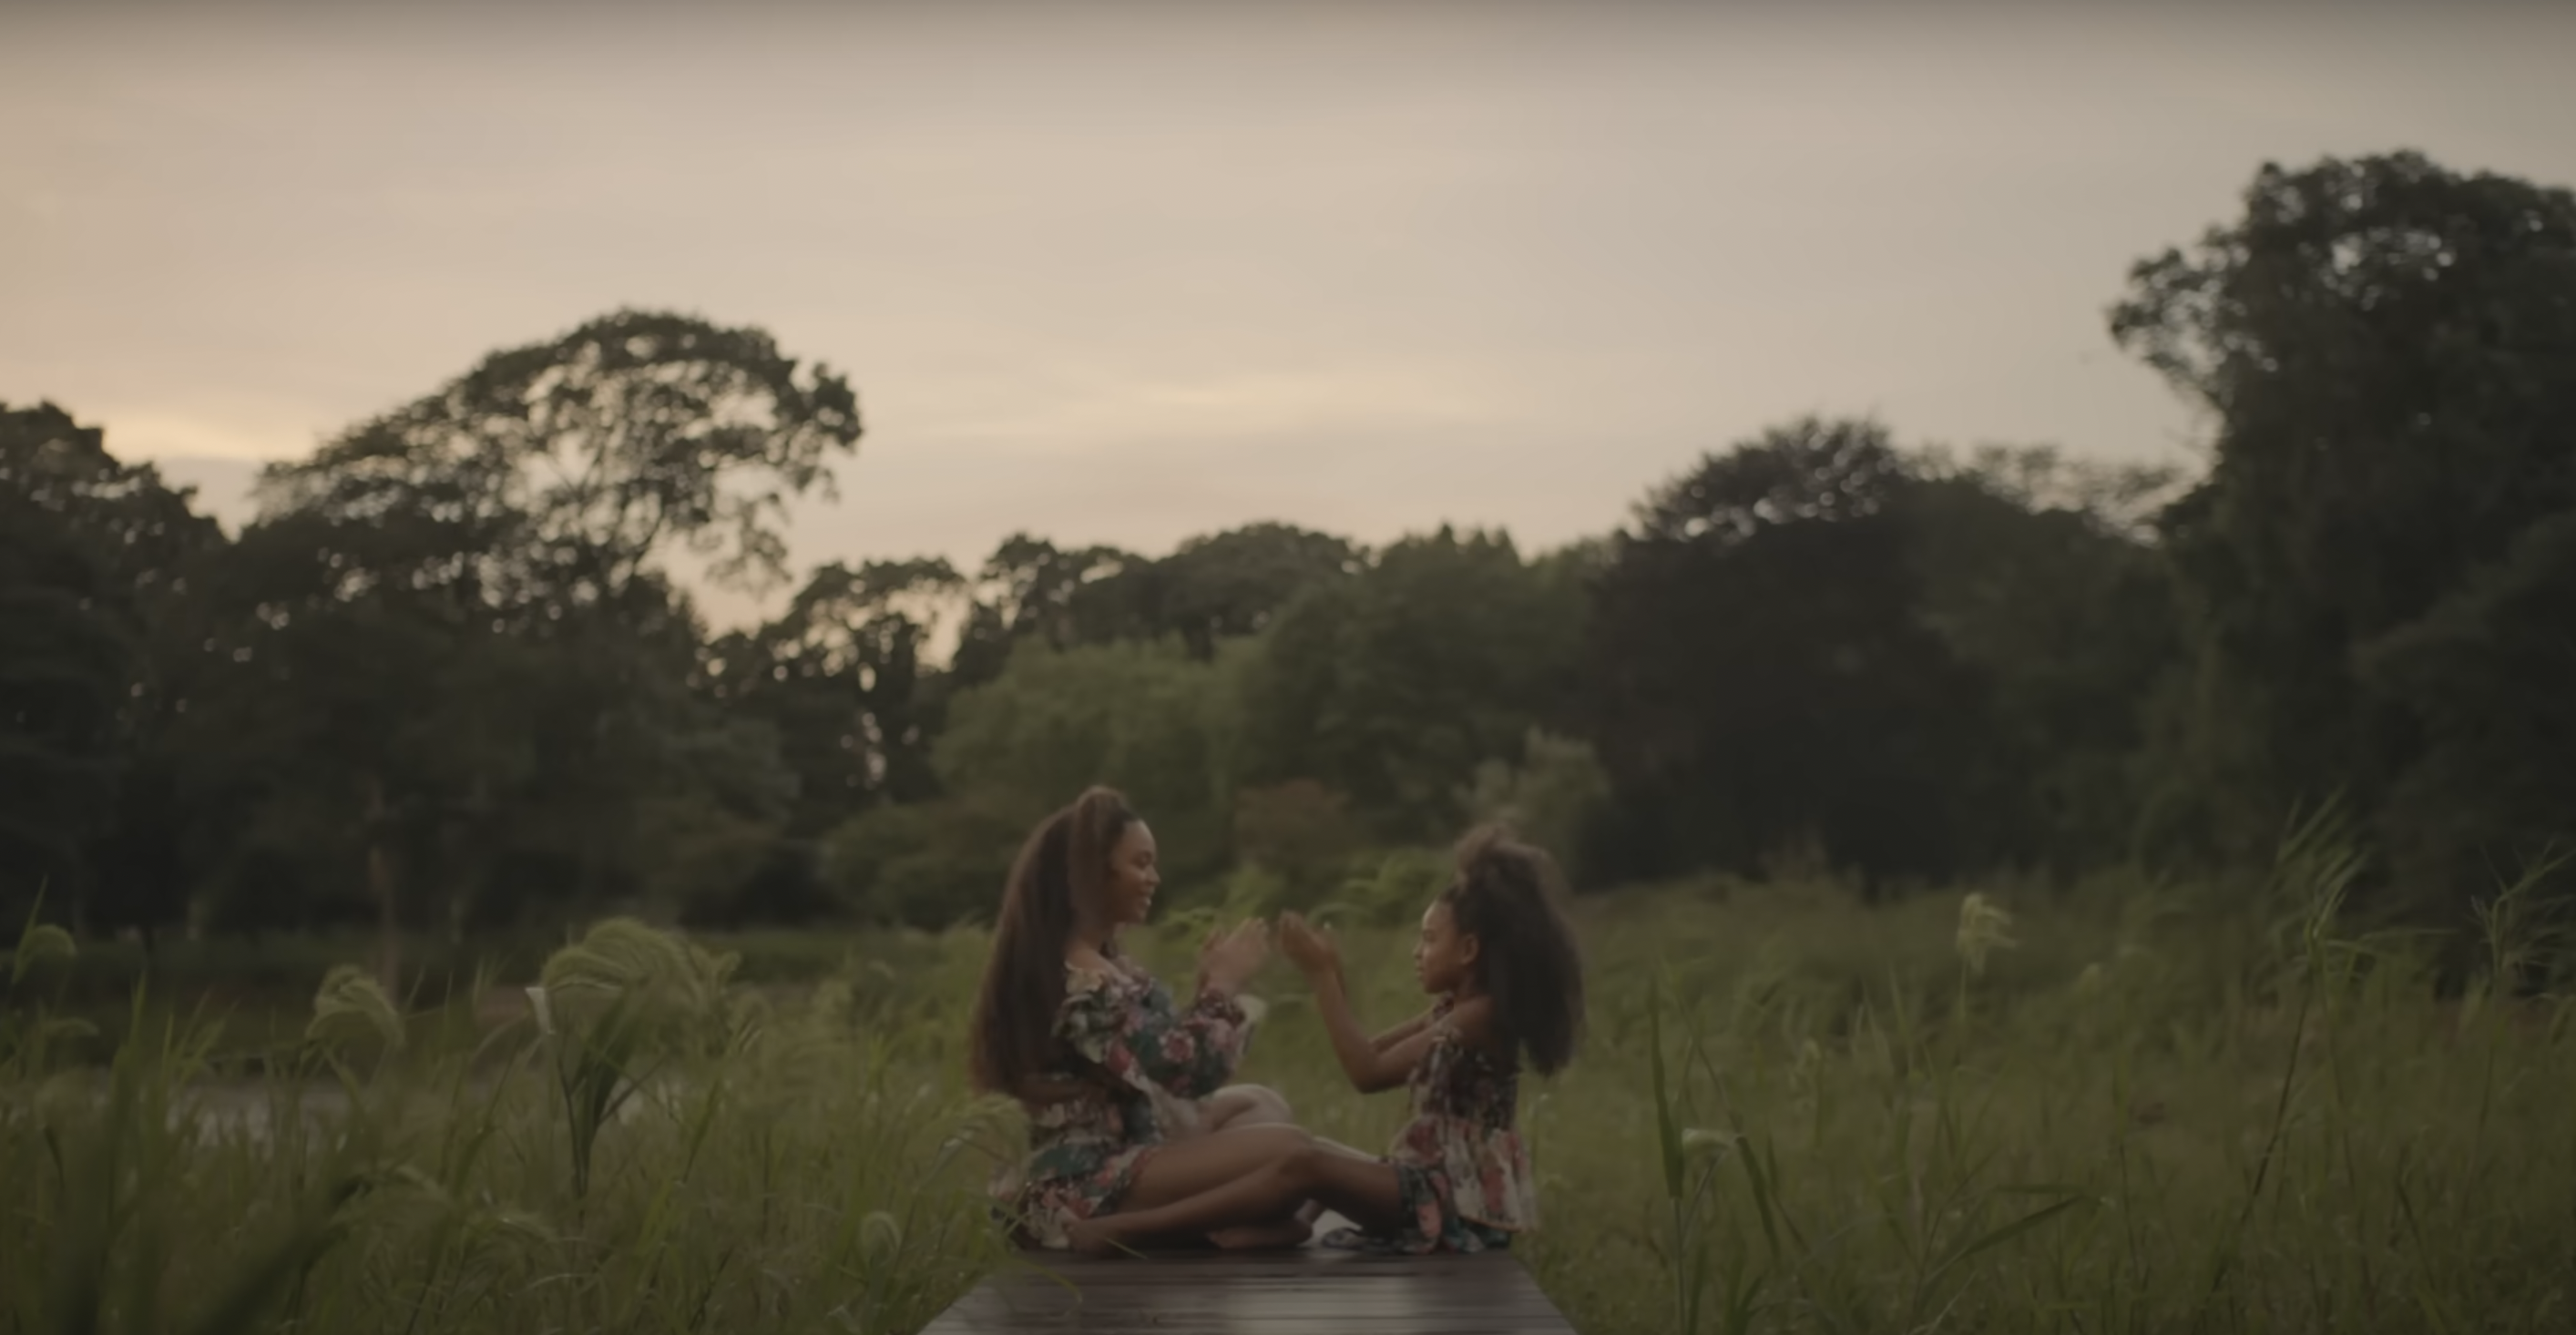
[1044, 1269]
[1320, 1291]
[1211, 1323]
[1258, 1293]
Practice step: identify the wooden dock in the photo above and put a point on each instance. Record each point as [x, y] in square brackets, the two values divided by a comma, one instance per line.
[1259, 1293]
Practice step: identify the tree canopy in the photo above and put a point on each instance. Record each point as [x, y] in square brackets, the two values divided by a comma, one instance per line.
[2385, 347]
[450, 678]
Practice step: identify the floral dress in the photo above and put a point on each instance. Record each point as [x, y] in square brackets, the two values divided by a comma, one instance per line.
[1461, 1167]
[1133, 1058]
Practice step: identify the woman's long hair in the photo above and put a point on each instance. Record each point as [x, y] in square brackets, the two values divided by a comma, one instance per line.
[1507, 895]
[1061, 868]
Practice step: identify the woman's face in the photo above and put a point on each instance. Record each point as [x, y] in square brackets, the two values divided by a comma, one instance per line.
[1133, 876]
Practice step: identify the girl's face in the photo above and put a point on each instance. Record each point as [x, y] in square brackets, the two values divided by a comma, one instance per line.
[1133, 877]
[1443, 957]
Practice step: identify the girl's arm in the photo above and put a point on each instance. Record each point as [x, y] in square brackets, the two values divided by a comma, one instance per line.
[1372, 1065]
[1369, 1066]
[1401, 1032]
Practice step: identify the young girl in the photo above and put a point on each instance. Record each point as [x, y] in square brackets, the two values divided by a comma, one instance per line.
[1496, 950]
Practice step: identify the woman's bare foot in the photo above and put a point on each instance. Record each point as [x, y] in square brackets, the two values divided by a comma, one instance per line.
[1092, 1237]
[1259, 1237]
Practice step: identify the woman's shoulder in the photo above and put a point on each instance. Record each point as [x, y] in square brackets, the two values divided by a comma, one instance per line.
[1086, 979]
[1103, 975]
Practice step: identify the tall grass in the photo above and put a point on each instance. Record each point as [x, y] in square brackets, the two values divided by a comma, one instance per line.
[2179, 1133]
[2141, 1108]
[667, 1153]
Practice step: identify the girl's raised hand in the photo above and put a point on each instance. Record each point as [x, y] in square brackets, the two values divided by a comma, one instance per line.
[1311, 951]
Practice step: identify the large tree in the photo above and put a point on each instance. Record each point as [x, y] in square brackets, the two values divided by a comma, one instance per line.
[1222, 586]
[841, 676]
[335, 720]
[1031, 589]
[1145, 717]
[1210, 589]
[2037, 572]
[1392, 685]
[92, 553]
[577, 465]
[1762, 678]
[2488, 679]
[2385, 347]
[462, 619]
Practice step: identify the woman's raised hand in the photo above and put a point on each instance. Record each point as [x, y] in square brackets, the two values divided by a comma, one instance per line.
[1229, 959]
[1313, 952]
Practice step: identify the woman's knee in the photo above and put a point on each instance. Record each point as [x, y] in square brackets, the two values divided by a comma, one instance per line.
[1264, 1145]
[1257, 1105]
[1205, 1163]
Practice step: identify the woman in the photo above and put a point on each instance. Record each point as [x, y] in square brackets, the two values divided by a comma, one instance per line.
[1106, 1064]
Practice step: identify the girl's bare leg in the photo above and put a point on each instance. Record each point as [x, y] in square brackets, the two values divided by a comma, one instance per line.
[1362, 1189]
[1313, 1210]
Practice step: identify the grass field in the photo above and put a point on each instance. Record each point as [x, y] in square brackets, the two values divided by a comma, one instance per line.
[2217, 1109]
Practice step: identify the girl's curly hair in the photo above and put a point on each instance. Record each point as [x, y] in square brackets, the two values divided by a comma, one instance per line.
[1509, 896]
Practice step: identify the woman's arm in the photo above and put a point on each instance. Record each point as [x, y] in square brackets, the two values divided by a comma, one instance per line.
[1139, 1033]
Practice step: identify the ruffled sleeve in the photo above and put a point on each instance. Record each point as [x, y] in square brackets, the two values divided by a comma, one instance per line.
[1130, 1027]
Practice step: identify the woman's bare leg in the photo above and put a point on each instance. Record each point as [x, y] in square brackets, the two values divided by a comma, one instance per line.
[1184, 1168]
[1236, 1107]
[1364, 1190]
[1263, 1107]
[1212, 1158]
[1240, 1106]
[1244, 1105]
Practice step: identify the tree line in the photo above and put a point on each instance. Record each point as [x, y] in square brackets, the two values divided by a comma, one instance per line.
[447, 680]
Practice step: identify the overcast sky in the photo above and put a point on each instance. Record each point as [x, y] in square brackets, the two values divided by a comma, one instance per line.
[1125, 274]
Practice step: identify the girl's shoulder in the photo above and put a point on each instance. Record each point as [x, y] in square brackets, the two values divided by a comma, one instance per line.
[1471, 1015]
[1472, 1026]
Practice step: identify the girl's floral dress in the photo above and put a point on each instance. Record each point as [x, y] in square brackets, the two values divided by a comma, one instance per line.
[1134, 1059]
[1461, 1167]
